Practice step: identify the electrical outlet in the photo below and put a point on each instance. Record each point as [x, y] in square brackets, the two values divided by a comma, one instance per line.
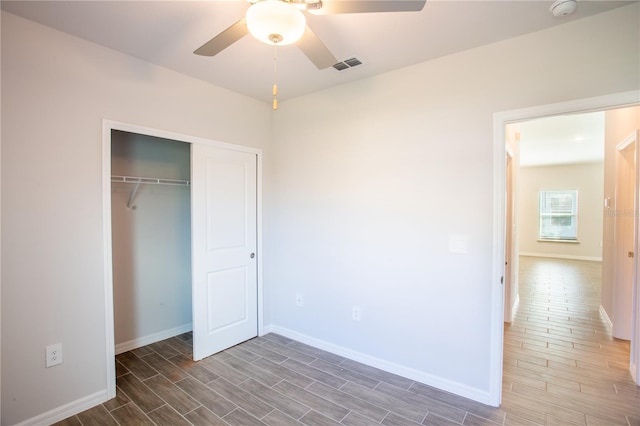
[355, 313]
[299, 300]
[54, 355]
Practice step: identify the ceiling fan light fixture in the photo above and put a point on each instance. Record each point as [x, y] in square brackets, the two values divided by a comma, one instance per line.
[275, 22]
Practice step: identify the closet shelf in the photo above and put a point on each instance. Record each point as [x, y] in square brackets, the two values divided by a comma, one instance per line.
[147, 181]
[151, 181]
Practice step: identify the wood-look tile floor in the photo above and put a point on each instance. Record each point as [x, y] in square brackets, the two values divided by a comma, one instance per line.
[561, 367]
[561, 364]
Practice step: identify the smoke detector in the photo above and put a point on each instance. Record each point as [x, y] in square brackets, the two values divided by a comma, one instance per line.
[563, 7]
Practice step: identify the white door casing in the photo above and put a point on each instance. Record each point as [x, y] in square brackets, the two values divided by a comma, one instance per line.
[509, 260]
[634, 355]
[626, 203]
[224, 264]
[107, 127]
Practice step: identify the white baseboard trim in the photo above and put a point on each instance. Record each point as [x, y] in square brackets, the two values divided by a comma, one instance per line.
[633, 369]
[605, 317]
[460, 389]
[267, 329]
[67, 410]
[562, 256]
[152, 338]
[516, 303]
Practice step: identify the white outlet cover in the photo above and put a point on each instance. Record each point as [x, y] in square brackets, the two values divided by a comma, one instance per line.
[53, 355]
[356, 314]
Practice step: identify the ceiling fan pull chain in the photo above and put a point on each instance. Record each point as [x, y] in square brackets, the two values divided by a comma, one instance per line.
[275, 71]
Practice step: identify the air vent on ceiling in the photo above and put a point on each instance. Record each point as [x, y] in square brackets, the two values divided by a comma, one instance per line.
[347, 63]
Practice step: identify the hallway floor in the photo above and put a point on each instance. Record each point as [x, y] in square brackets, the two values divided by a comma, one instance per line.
[561, 364]
[561, 367]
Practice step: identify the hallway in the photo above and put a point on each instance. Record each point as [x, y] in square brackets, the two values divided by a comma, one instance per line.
[561, 365]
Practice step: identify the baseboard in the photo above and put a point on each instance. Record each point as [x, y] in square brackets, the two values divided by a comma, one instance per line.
[562, 256]
[267, 329]
[633, 369]
[67, 410]
[390, 367]
[152, 338]
[605, 317]
[516, 303]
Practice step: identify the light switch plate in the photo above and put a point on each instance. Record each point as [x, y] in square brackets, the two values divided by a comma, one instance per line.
[458, 244]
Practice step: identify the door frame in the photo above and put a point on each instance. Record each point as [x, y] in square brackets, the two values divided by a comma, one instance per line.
[500, 120]
[630, 141]
[510, 264]
[107, 127]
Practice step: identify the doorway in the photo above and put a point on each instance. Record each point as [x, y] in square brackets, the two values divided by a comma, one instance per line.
[224, 180]
[560, 166]
[501, 119]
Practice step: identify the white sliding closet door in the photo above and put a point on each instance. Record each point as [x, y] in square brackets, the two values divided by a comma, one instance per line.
[223, 209]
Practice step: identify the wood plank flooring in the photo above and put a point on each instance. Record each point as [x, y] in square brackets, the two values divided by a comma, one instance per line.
[561, 364]
[561, 367]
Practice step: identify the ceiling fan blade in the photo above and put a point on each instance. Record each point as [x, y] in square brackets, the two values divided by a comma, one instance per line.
[223, 40]
[331, 7]
[315, 50]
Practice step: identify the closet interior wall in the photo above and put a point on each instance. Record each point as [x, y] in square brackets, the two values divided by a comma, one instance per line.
[151, 239]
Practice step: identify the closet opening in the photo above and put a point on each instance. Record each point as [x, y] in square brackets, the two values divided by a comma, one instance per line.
[151, 238]
[182, 235]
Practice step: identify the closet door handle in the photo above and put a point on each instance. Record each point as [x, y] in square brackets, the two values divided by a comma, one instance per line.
[252, 255]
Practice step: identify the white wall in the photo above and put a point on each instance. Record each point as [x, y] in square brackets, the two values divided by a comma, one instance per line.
[151, 241]
[56, 90]
[588, 179]
[618, 125]
[372, 178]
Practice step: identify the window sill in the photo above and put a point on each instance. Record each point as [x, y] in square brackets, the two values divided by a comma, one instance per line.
[542, 240]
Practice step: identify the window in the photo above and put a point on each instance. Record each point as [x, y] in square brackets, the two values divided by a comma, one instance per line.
[559, 215]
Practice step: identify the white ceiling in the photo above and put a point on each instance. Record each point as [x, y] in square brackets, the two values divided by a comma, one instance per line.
[566, 139]
[167, 32]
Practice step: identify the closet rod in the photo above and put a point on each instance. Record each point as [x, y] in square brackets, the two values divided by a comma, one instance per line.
[145, 180]
[151, 181]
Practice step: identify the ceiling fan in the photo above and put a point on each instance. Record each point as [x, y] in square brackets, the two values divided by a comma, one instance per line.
[280, 22]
